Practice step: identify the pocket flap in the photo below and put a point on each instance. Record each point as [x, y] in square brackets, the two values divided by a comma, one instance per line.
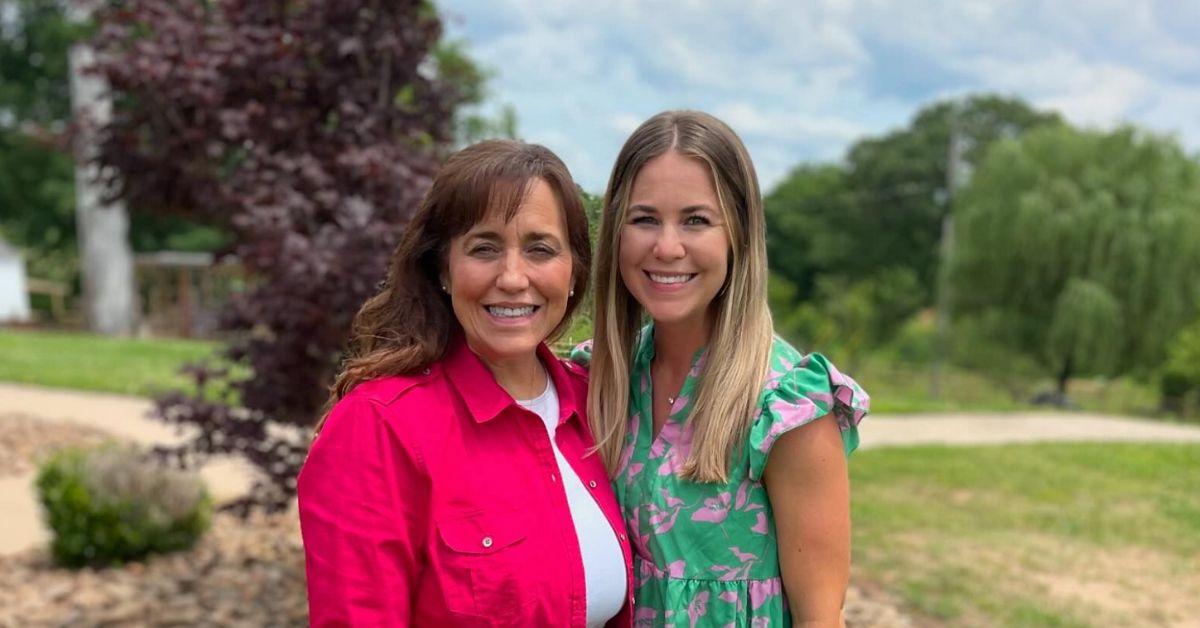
[482, 533]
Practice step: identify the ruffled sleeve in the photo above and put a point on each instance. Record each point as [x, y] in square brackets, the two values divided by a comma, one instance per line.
[809, 390]
[582, 353]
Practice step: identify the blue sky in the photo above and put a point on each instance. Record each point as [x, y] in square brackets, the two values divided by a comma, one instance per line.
[801, 80]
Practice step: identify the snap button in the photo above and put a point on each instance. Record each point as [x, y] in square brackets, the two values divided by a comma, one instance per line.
[622, 537]
[553, 478]
[487, 541]
[592, 484]
[426, 372]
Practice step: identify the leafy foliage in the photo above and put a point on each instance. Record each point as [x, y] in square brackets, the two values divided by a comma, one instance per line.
[846, 318]
[107, 506]
[883, 207]
[901, 180]
[37, 186]
[309, 130]
[36, 172]
[1180, 380]
[1080, 247]
[34, 40]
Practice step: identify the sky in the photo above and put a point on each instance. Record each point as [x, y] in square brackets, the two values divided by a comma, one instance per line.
[801, 80]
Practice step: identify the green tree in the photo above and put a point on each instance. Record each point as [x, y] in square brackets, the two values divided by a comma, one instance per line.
[802, 212]
[899, 181]
[36, 172]
[37, 198]
[37, 186]
[472, 125]
[1180, 378]
[1081, 248]
[883, 207]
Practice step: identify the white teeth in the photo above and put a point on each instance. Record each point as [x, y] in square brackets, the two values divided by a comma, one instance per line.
[669, 278]
[510, 312]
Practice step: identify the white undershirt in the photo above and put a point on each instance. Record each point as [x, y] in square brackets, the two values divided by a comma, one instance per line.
[603, 562]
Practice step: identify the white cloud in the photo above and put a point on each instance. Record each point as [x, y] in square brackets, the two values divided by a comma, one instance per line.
[625, 123]
[786, 123]
[802, 80]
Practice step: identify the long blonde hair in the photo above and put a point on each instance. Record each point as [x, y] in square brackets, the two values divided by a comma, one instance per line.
[739, 349]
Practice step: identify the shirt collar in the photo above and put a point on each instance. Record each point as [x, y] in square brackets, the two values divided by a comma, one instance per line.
[645, 352]
[484, 397]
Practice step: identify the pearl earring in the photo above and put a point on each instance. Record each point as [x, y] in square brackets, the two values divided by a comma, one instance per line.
[571, 293]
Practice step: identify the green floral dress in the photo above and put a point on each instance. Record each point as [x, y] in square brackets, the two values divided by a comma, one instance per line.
[706, 554]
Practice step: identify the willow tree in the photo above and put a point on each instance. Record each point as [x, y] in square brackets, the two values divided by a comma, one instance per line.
[882, 207]
[1081, 248]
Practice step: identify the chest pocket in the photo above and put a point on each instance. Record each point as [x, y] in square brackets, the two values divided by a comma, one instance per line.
[481, 556]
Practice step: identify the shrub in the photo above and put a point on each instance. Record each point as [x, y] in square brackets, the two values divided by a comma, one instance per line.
[915, 342]
[110, 505]
[1179, 381]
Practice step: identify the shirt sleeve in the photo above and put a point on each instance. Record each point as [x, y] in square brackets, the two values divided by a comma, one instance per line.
[806, 392]
[582, 353]
[363, 513]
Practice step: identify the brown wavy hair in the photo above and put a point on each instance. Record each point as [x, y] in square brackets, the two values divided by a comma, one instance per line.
[407, 325]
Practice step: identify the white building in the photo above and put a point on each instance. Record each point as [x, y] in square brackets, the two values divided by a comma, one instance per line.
[14, 295]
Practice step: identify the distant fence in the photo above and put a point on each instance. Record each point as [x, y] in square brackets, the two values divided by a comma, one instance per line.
[183, 292]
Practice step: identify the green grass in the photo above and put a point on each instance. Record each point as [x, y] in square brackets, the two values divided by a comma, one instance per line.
[899, 388]
[1046, 535]
[89, 362]
[141, 367]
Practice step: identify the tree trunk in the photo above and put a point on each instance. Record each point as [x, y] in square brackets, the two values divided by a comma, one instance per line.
[1063, 376]
[105, 259]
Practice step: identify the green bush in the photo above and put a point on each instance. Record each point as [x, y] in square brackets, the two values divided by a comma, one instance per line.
[915, 343]
[1179, 382]
[110, 505]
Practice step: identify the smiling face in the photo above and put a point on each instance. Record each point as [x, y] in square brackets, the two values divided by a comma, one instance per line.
[674, 252]
[509, 282]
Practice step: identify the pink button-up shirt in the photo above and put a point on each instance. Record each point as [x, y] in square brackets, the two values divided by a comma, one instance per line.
[435, 500]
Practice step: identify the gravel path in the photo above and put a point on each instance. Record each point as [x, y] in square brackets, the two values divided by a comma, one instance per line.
[76, 416]
[126, 418]
[1025, 427]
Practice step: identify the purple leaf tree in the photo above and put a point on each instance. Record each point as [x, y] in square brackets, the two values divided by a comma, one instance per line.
[307, 128]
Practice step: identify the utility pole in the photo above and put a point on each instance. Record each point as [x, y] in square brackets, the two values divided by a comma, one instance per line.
[955, 178]
[102, 228]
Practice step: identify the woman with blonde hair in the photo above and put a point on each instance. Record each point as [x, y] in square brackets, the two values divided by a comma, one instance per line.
[727, 447]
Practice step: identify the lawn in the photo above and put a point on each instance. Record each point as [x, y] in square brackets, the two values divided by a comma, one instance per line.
[1033, 535]
[898, 388]
[89, 362]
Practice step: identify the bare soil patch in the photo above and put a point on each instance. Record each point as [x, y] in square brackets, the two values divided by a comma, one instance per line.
[242, 573]
[25, 440]
[1125, 586]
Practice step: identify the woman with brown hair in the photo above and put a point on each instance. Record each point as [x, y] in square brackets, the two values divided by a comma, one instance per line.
[450, 484]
